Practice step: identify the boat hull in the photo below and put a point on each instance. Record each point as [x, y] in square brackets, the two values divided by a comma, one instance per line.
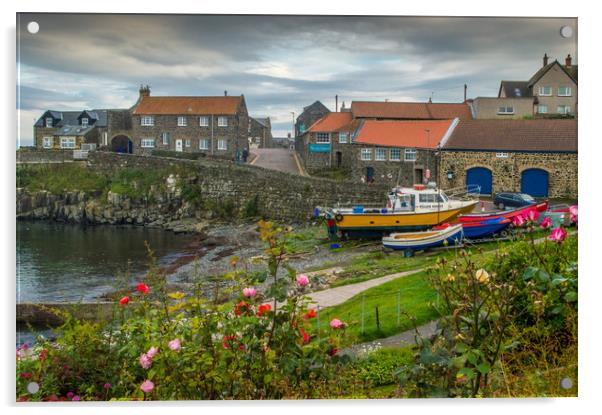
[413, 241]
[475, 230]
[378, 224]
[509, 214]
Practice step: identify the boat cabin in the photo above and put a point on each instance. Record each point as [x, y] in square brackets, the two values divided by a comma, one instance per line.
[416, 198]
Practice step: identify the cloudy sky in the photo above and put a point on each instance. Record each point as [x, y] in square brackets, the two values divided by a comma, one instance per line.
[280, 63]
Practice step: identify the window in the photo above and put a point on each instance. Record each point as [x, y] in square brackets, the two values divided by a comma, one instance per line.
[49, 121]
[542, 109]
[147, 143]
[67, 142]
[366, 154]
[222, 144]
[564, 91]
[204, 121]
[204, 144]
[105, 138]
[187, 143]
[395, 154]
[380, 154]
[165, 137]
[147, 121]
[517, 92]
[563, 109]
[323, 138]
[501, 155]
[505, 110]
[48, 142]
[545, 91]
[410, 154]
[343, 137]
[427, 198]
[222, 121]
[84, 122]
[182, 122]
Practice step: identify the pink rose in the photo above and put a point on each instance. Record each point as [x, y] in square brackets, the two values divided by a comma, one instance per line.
[558, 235]
[145, 361]
[147, 386]
[249, 292]
[574, 210]
[76, 398]
[175, 345]
[546, 223]
[336, 323]
[533, 215]
[518, 220]
[152, 352]
[302, 280]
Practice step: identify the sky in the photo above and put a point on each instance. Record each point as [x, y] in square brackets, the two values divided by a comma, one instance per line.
[280, 63]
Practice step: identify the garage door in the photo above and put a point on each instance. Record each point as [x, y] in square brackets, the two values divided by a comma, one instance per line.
[534, 182]
[479, 176]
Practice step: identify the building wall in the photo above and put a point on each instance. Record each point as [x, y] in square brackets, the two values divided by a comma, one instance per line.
[262, 134]
[506, 171]
[319, 161]
[487, 108]
[555, 78]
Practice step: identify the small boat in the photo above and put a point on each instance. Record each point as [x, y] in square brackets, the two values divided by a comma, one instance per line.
[506, 214]
[416, 241]
[477, 230]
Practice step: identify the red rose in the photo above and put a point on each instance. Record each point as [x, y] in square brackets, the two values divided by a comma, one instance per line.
[124, 300]
[263, 309]
[305, 336]
[143, 288]
[240, 308]
[25, 375]
[333, 351]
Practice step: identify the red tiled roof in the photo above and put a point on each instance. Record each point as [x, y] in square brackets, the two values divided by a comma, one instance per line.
[331, 122]
[410, 110]
[403, 133]
[543, 135]
[150, 105]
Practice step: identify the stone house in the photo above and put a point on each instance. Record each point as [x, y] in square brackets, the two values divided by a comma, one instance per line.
[306, 119]
[538, 157]
[215, 125]
[260, 132]
[399, 152]
[553, 89]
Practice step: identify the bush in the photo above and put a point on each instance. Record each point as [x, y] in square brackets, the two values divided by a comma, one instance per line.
[59, 178]
[251, 208]
[379, 367]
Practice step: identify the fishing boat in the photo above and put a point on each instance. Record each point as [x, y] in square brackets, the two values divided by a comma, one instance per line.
[479, 230]
[507, 214]
[417, 241]
[408, 209]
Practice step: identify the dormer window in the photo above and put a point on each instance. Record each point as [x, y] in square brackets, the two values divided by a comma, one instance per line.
[84, 122]
[49, 122]
[517, 92]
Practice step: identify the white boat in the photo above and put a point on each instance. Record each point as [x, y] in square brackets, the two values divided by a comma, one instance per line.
[415, 241]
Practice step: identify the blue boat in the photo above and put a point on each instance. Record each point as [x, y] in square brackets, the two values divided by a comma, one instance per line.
[416, 241]
[481, 229]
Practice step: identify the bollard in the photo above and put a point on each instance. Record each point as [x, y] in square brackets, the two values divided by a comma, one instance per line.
[398, 307]
[363, 298]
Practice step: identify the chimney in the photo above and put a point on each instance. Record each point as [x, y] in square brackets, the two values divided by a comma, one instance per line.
[336, 103]
[568, 60]
[465, 89]
[144, 91]
[430, 100]
[545, 59]
[225, 93]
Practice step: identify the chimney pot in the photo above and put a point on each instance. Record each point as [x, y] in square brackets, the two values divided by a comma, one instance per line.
[545, 59]
[568, 60]
[225, 93]
[144, 91]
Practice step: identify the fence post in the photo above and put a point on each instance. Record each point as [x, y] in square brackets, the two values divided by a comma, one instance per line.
[398, 307]
[377, 320]
[363, 298]
[318, 308]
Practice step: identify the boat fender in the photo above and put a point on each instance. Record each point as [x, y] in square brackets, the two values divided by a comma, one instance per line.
[383, 210]
[338, 217]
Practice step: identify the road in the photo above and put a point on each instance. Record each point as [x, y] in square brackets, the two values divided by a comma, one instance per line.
[280, 159]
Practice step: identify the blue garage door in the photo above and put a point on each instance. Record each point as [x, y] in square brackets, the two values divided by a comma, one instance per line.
[534, 182]
[479, 176]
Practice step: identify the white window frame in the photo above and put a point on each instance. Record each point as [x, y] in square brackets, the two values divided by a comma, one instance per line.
[323, 138]
[105, 138]
[566, 109]
[203, 121]
[222, 144]
[165, 138]
[541, 107]
[85, 122]
[568, 93]
[380, 154]
[147, 121]
[187, 142]
[343, 137]
[48, 124]
[505, 110]
[68, 142]
[47, 142]
[147, 143]
[182, 121]
[409, 151]
[222, 121]
[366, 154]
[542, 91]
[205, 141]
[501, 154]
[397, 151]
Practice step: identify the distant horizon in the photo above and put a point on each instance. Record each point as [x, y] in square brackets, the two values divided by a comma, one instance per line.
[279, 63]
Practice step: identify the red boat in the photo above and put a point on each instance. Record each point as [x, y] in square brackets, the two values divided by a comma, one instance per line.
[508, 214]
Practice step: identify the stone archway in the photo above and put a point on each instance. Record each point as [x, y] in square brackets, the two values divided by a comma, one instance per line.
[122, 144]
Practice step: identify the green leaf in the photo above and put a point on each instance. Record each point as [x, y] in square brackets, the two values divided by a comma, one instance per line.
[571, 296]
[483, 368]
[472, 358]
[466, 371]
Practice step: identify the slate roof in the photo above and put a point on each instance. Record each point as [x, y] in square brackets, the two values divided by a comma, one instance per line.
[540, 135]
[264, 122]
[72, 117]
[72, 130]
[411, 110]
[403, 133]
[331, 122]
[525, 87]
[219, 105]
[510, 87]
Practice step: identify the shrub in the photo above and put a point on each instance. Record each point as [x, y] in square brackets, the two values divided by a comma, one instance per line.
[379, 367]
[251, 208]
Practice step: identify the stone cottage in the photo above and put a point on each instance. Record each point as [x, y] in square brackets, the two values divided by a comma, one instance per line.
[306, 119]
[538, 157]
[260, 132]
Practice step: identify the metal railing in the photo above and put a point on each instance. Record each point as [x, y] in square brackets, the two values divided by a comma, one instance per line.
[469, 191]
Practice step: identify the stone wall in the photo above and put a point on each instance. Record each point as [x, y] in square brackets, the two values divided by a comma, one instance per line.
[487, 107]
[506, 171]
[27, 155]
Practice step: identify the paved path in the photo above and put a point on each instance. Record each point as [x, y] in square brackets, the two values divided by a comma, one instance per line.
[280, 159]
[338, 295]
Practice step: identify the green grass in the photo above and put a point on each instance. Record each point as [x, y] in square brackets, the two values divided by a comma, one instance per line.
[58, 178]
[333, 173]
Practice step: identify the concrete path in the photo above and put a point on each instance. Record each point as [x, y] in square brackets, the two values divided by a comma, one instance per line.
[338, 295]
[280, 159]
